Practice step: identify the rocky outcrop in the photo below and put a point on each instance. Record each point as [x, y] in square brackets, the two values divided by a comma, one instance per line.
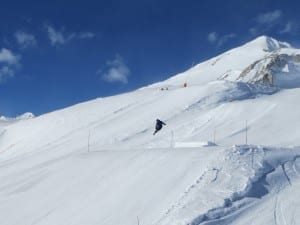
[276, 69]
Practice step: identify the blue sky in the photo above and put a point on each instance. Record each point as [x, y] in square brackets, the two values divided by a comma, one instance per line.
[56, 53]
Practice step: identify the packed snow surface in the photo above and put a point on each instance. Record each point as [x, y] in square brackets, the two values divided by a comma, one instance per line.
[229, 153]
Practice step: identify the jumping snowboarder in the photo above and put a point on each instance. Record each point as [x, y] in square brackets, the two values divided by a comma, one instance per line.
[158, 126]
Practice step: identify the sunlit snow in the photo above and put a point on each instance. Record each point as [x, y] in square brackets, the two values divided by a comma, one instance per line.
[229, 154]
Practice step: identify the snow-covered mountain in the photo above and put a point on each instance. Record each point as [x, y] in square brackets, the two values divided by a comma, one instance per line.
[24, 116]
[98, 162]
[281, 68]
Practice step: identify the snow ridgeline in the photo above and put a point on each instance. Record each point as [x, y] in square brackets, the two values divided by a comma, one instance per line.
[244, 179]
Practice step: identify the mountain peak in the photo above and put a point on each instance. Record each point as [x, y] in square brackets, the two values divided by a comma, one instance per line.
[268, 44]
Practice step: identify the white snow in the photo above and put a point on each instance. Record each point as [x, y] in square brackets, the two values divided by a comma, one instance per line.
[25, 116]
[193, 144]
[98, 162]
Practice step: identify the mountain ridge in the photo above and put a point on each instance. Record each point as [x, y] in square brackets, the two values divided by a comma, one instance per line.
[236, 59]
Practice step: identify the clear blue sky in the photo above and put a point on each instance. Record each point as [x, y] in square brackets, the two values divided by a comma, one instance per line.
[57, 53]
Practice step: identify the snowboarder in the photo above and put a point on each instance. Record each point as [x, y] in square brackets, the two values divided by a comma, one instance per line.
[158, 126]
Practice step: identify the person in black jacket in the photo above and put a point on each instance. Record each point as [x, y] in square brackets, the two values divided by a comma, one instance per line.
[158, 126]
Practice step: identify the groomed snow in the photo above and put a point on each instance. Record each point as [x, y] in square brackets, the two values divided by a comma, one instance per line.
[98, 162]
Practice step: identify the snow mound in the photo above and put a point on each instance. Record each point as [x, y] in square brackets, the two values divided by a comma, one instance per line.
[25, 116]
[3, 118]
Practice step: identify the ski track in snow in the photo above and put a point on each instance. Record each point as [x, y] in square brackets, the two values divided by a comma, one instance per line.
[177, 205]
[240, 201]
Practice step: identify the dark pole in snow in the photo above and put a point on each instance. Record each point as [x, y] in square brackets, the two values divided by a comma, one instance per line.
[89, 140]
[214, 135]
[246, 132]
[172, 139]
[252, 157]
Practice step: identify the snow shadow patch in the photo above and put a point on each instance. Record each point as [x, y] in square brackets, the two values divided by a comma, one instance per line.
[227, 91]
[237, 202]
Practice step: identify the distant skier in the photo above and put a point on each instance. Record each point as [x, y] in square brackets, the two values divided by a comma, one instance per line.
[158, 126]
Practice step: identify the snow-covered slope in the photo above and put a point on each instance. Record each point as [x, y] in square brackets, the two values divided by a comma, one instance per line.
[98, 163]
